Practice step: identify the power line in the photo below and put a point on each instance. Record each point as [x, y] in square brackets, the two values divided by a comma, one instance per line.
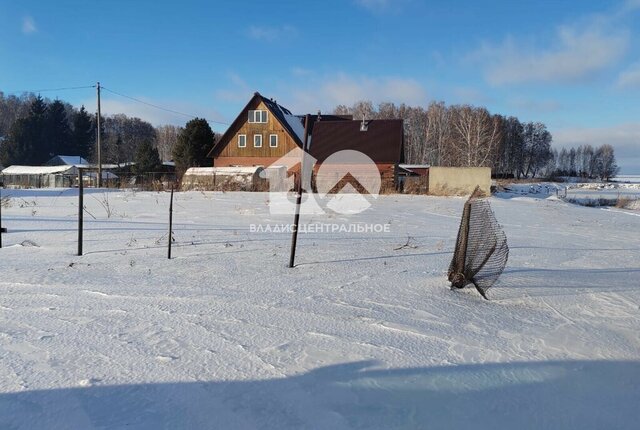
[51, 89]
[116, 93]
[157, 107]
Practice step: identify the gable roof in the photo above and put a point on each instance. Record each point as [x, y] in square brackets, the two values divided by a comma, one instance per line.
[39, 170]
[69, 160]
[292, 124]
[382, 141]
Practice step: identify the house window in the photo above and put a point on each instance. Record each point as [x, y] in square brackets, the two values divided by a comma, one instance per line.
[257, 140]
[258, 116]
[273, 140]
[242, 141]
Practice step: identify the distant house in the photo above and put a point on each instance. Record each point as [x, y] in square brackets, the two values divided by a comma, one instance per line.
[67, 160]
[264, 132]
[39, 176]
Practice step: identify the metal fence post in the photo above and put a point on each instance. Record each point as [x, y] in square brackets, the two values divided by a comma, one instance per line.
[170, 224]
[80, 210]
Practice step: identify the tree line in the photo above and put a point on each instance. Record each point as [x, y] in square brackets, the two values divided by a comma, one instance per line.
[464, 135]
[35, 129]
[585, 161]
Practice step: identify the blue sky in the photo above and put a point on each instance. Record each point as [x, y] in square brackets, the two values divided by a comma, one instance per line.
[575, 65]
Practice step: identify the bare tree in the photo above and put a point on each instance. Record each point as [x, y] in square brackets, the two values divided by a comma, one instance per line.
[537, 145]
[606, 166]
[167, 138]
[476, 135]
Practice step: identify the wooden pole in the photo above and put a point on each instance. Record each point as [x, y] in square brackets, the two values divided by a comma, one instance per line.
[170, 223]
[99, 179]
[80, 210]
[296, 217]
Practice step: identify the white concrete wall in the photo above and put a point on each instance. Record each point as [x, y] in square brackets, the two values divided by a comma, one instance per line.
[459, 181]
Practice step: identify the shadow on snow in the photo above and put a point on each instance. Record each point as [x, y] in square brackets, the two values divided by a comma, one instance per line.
[530, 395]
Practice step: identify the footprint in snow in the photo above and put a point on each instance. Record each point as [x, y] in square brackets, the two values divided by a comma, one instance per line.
[165, 358]
[88, 382]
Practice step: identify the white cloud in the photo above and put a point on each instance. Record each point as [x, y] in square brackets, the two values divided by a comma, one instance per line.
[270, 34]
[301, 72]
[625, 139]
[239, 91]
[535, 106]
[631, 5]
[329, 91]
[311, 92]
[630, 78]
[381, 6]
[29, 25]
[575, 54]
[374, 5]
[468, 95]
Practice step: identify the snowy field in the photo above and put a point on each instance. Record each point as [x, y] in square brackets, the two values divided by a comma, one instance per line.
[630, 179]
[363, 333]
[586, 194]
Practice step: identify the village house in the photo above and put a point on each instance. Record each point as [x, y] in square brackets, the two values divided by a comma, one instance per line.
[264, 132]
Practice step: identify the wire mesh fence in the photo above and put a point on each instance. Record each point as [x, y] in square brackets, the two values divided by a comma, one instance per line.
[481, 251]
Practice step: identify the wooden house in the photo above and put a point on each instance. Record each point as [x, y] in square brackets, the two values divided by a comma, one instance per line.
[262, 133]
[265, 131]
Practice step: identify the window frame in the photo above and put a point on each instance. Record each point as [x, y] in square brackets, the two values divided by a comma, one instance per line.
[254, 140]
[270, 144]
[263, 116]
[245, 140]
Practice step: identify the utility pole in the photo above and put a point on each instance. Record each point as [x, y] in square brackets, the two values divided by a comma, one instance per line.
[99, 179]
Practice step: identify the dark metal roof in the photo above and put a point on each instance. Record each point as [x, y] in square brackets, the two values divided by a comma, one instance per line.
[284, 116]
[323, 117]
[382, 141]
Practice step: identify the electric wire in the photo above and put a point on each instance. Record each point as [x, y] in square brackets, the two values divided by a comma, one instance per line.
[158, 107]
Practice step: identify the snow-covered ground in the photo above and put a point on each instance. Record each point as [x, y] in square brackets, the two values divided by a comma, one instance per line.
[625, 195]
[362, 333]
[631, 179]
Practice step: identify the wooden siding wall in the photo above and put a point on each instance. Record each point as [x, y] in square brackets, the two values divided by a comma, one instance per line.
[232, 152]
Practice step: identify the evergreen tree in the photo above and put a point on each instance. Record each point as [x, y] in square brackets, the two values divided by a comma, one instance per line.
[57, 131]
[16, 148]
[194, 143]
[26, 143]
[36, 124]
[147, 158]
[83, 135]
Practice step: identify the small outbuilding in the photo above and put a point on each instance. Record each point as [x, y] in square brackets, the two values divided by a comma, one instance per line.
[240, 178]
[39, 176]
[413, 178]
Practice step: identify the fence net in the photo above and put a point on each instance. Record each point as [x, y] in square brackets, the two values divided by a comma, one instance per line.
[481, 251]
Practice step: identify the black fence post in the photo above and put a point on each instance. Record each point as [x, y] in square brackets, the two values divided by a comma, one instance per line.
[2, 230]
[170, 224]
[296, 217]
[80, 210]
